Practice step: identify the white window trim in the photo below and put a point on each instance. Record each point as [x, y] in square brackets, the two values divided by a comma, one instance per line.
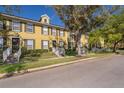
[16, 25]
[31, 43]
[45, 30]
[54, 32]
[29, 26]
[45, 44]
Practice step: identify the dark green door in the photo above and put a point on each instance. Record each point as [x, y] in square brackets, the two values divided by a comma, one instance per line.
[15, 44]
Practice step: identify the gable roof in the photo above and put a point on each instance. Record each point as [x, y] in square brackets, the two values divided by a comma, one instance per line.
[13, 17]
[45, 15]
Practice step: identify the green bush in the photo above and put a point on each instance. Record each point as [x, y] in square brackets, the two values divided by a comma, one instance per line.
[70, 52]
[24, 52]
[33, 53]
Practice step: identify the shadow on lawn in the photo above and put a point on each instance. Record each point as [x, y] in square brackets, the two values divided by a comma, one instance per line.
[14, 68]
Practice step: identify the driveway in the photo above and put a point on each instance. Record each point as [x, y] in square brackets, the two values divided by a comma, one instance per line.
[105, 72]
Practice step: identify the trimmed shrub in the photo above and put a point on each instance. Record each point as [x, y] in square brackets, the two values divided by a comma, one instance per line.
[33, 53]
[70, 52]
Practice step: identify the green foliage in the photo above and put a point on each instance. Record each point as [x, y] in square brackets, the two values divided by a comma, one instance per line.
[70, 52]
[13, 67]
[114, 37]
[95, 38]
[33, 53]
[81, 19]
[113, 30]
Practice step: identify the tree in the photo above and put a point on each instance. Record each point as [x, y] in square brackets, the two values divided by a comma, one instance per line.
[95, 38]
[83, 19]
[113, 30]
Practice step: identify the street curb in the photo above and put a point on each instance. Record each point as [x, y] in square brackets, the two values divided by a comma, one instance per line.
[5, 75]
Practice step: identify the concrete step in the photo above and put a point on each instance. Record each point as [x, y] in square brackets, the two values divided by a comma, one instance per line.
[11, 59]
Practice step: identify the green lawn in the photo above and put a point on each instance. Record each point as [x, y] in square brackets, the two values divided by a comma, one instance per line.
[120, 52]
[34, 62]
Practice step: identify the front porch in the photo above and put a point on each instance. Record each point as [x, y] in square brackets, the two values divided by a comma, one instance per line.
[10, 48]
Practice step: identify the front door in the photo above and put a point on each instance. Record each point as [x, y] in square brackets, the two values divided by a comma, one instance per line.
[54, 43]
[15, 44]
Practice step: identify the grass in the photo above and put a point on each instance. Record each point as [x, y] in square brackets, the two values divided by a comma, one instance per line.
[120, 52]
[48, 55]
[34, 62]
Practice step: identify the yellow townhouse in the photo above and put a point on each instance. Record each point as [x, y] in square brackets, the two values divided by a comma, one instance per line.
[23, 32]
[33, 34]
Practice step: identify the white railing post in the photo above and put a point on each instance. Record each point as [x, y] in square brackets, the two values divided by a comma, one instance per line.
[6, 53]
[17, 55]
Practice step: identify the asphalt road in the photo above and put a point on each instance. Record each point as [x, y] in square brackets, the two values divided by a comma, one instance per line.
[101, 72]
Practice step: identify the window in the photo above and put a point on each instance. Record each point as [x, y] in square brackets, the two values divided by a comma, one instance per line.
[54, 32]
[29, 44]
[1, 42]
[45, 30]
[45, 44]
[61, 33]
[29, 27]
[16, 26]
[45, 20]
[1, 25]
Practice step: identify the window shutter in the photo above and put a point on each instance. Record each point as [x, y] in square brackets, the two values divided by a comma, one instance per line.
[42, 30]
[48, 30]
[63, 33]
[51, 31]
[10, 24]
[25, 27]
[33, 44]
[21, 26]
[33, 28]
[41, 44]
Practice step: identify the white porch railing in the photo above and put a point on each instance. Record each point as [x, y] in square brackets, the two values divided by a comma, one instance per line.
[18, 54]
[6, 53]
[56, 51]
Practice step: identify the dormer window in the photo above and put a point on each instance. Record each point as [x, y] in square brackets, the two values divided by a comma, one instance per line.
[45, 20]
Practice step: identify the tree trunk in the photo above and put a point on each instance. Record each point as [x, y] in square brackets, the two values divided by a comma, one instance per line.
[79, 48]
[114, 47]
[78, 43]
[115, 44]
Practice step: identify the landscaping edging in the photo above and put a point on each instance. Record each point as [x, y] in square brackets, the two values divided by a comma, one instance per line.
[4, 75]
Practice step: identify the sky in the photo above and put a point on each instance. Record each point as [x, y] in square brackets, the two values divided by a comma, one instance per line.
[35, 11]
